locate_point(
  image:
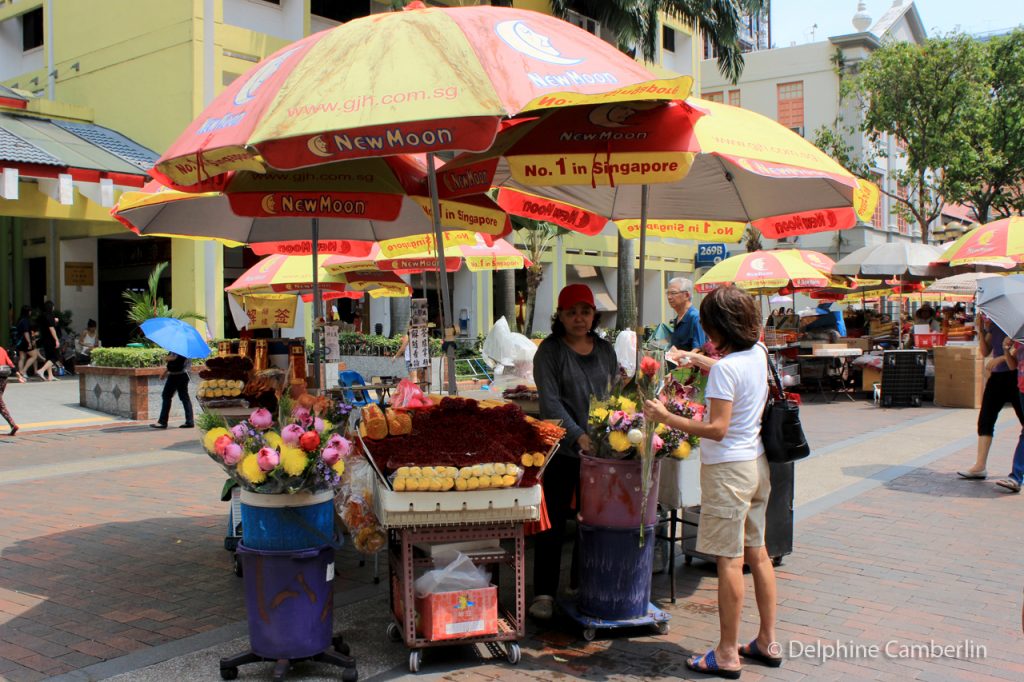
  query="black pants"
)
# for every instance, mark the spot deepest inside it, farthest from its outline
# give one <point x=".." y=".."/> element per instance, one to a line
<point x="1001" y="388"/>
<point x="176" y="383"/>
<point x="561" y="482"/>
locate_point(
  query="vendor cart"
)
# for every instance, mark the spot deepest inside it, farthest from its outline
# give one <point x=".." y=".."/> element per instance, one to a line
<point x="414" y="520"/>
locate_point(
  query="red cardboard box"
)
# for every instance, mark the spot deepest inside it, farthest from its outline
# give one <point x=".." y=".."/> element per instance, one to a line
<point x="453" y="615"/>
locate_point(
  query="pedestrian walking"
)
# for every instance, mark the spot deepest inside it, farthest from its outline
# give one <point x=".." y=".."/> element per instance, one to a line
<point x="735" y="479"/>
<point x="7" y="369"/>
<point x="175" y="376"/>
<point x="28" y="354"/>
<point x="49" y="342"/>
<point x="1000" y="389"/>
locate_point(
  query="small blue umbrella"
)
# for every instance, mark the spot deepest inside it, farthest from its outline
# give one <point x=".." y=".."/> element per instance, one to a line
<point x="176" y="336"/>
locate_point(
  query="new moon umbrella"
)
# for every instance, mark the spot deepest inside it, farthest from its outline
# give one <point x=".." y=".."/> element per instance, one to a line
<point x="419" y="81"/>
<point x="176" y="336"/>
<point x="1000" y="242"/>
<point x="293" y="274"/>
<point x="478" y="257"/>
<point x="1002" y="300"/>
<point x="767" y="271"/>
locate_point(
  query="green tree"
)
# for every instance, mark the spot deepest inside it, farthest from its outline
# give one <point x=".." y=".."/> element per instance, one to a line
<point x="927" y="98"/>
<point x="146" y="304"/>
<point x="537" y="237"/>
<point x="637" y="27"/>
<point x="991" y="181"/>
<point x="625" y="286"/>
<point x="504" y="283"/>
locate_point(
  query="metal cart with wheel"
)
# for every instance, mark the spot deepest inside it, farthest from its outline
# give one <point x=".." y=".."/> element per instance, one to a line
<point x="404" y="563"/>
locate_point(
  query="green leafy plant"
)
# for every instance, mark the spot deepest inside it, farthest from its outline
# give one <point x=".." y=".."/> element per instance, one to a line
<point x="147" y="304"/>
<point x="128" y="357"/>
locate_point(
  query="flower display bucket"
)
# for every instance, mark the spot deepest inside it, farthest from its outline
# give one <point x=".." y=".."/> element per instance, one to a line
<point x="615" y="571"/>
<point x="610" y="493"/>
<point x="287" y="522"/>
<point x="289" y="597"/>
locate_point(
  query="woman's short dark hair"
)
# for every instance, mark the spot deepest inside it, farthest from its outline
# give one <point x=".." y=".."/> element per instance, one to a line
<point x="558" y="329"/>
<point x="731" y="317"/>
<point x="91" y="323"/>
<point x="26" y="311"/>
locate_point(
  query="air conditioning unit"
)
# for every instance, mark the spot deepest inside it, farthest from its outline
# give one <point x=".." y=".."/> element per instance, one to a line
<point x="586" y="23"/>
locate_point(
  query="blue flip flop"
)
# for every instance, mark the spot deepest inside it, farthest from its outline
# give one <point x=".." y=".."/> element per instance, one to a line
<point x="710" y="666"/>
<point x="753" y="652"/>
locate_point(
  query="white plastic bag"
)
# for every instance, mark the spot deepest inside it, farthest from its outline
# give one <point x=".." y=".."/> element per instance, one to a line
<point x="625" y="351"/>
<point x="457" y="572"/>
<point x="509" y="354"/>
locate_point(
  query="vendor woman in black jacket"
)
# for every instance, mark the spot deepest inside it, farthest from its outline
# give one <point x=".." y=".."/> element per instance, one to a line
<point x="572" y="365"/>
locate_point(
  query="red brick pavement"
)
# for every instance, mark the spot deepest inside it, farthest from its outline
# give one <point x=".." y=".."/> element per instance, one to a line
<point x="106" y="562"/>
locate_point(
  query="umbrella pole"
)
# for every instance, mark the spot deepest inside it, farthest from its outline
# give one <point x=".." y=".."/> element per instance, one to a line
<point x="640" y="286"/>
<point x="446" y="304"/>
<point x="317" y="304"/>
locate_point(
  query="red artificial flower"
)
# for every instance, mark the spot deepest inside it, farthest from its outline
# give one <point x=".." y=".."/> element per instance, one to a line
<point x="309" y="441"/>
<point x="649" y="366"/>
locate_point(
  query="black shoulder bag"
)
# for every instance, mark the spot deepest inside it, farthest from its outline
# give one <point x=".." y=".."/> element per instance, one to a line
<point x="781" y="432"/>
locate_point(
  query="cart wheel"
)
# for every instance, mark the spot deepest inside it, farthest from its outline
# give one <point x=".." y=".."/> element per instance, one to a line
<point x="349" y="675"/>
<point x="589" y="634"/>
<point x="776" y="561"/>
<point x="228" y="673"/>
<point x="393" y="633"/>
<point x="415" y="656"/>
<point x="662" y="628"/>
<point x="339" y="645"/>
<point x="238" y="567"/>
<point x="513" y="653"/>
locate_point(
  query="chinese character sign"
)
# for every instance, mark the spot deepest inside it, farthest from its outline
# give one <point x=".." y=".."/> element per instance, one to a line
<point x="332" y="349"/>
<point x="269" y="312"/>
<point x="419" y="348"/>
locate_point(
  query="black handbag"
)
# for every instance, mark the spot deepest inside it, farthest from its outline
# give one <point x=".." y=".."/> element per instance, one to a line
<point x="781" y="432"/>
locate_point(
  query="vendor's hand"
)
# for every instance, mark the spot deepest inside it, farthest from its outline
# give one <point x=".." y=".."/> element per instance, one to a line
<point x="679" y="356"/>
<point x="655" y="411"/>
<point x="586" y="445"/>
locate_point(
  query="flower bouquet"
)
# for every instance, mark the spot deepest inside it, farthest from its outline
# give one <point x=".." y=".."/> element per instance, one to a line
<point x="683" y="395"/>
<point x="306" y="455"/>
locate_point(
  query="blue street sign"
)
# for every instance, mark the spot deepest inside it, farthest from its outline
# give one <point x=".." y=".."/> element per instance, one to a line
<point x="709" y="254"/>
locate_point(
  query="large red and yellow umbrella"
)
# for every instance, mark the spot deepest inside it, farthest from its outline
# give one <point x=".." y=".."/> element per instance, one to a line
<point x="1000" y="242"/>
<point x="478" y="257"/>
<point x="280" y="274"/>
<point x="768" y="271"/>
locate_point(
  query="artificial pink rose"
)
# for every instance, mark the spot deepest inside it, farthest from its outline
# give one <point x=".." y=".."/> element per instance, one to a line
<point x="309" y="441"/>
<point x="658" y="443"/>
<point x="318" y="425"/>
<point x="616" y="417"/>
<point x="221" y="444"/>
<point x="334" y="441"/>
<point x="239" y="432"/>
<point x="292" y="433"/>
<point x="261" y="419"/>
<point x="330" y="456"/>
<point x="268" y="458"/>
<point x="233" y="454"/>
<point x="300" y="414"/>
<point x="344" y="446"/>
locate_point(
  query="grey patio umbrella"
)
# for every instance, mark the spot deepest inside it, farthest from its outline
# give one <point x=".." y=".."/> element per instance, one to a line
<point x="963" y="284"/>
<point x="906" y="260"/>
<point x="1002" y="299"/>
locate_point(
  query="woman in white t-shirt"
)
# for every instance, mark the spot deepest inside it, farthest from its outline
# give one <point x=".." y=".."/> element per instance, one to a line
<point x="734" y="478"/>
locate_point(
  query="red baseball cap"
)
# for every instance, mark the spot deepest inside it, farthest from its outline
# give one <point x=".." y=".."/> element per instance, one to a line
<point x="573" y="294"/>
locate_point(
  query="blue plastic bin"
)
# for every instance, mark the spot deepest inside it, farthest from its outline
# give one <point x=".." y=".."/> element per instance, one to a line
<point x="287" y="522"/>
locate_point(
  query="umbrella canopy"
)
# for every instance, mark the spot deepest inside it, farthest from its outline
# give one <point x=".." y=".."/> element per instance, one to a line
<point x="1000" y="242"/>
<point x="765" y="271"/>
<point x="478" y="257"/>
<point x="294" y="274"/>
<point x="894" y="259"/>
<point x="964" y="284"/>
<point x="779" y="300"/>
<point x="421" y="80"/>
<point x="362" y="200"/>
<point x="176" y="336"/>
<point x="711" y="169"/>
<point x="1002" y="300"/>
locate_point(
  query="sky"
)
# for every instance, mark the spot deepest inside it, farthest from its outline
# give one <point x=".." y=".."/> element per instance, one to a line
<point x="793" y="20"/>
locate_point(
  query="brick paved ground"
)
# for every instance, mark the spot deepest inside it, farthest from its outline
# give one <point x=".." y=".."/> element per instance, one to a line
<point x="106" y="552"/>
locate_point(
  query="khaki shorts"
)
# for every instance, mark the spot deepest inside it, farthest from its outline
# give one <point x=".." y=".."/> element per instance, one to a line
<point x="733" y="502"/>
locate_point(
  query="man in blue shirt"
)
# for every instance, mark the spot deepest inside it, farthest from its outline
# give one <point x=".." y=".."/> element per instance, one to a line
<point x="687" y="333"/>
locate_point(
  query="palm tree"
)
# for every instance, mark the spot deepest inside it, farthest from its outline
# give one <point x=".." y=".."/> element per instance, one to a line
<point x="752" y="239"/>
<point x="536" y="236"/>
<point x="625" y="287"/>
<point x="399" y="309"/>
<point x="147" y="304"/>
<point x="636" y="24"/>
<point x="504" y="283"/>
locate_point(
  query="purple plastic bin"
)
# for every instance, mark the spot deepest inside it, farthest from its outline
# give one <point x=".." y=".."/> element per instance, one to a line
<point x="610" y="493"/>
<point x="615" y="572"/>
<point x="290" y="600"/>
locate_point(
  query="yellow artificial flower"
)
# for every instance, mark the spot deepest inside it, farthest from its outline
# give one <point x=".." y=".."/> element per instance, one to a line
<point x="627" y="405"/>
<point x="619" y="441"/>
<point x="250" y="469"/>
<point x="339" y="467"/>
<point x="294" y="460"/>
<point x="211" y="437"/>
<point x="660" y="429"/>
<point x="600" y="413"/>
<point x="273" y="439"/>
<point x="327" y="426"/>
<point x="682" y="450"/>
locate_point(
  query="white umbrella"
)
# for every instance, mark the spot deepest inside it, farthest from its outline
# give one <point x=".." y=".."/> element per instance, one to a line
<point x="1002" y="300"/>
<point x="964" y="284"/>
<point x="779" y="300"/>
<point x="892" y="259"/>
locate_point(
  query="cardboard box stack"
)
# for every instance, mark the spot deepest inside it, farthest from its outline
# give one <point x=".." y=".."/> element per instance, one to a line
<point x="959" y="377"/>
